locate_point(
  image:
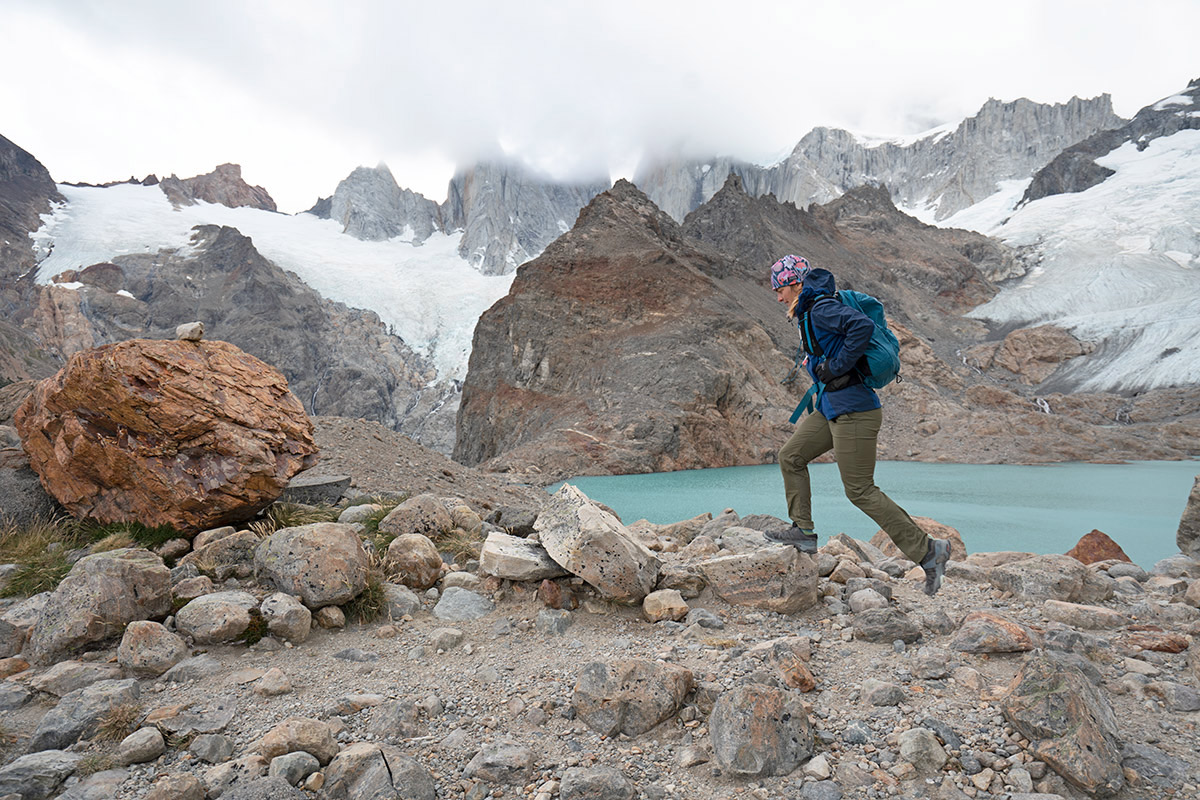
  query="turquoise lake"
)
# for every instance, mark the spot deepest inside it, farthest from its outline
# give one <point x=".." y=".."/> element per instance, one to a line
<point x="1037" y="509"/>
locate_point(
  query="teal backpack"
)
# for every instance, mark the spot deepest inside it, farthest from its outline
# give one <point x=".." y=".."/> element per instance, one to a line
<point x="879" y="365"/>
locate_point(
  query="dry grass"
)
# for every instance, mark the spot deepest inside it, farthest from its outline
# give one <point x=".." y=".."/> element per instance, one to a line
<point x="371" y="602"/>
<point x="40" y="551"/>
<point x="458" y="543"/>
<point x="291" y="515"/>
<point x="118" y="722"/>
<point x="114" y="541"/>
<point x="96" y="762"/>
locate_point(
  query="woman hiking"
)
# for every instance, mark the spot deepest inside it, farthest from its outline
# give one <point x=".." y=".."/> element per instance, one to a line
<point x="846" y="419"/>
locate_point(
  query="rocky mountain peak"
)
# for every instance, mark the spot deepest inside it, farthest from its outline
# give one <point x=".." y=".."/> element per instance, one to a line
<point x="370" y="205"/>
<point x="223" y="186"/>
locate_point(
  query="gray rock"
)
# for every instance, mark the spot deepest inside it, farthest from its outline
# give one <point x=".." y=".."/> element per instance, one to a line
<point x="554" y="622"/>
<point x="286" y="617"/>
<point x="517" y="559"/>
<point x="1176" y="696"/>
<point x="144" y="744"/>
<point x="367" y="771"/>
<point x="225" y="556"/>
<point x="931" y="663"/>
<point x="774" y="578"/>
<point x="866" y="599"/>
<point x="717" y="526"/>
<point x="1042" y="577"/>
<point x="369" y="205"/>
<point x="204" y="538"/>
<point x="37" y="776"/>
<point x="98" y="598"/>
<point x="1125" y="569"/>
<point x="704" y="618"/>
<point x="592" y="543"/>
<point x="360" y="512"/>
<point x="16" y="624"/>
<point x="401" y="601"/>
<point x="501" y="764"/>
<point x="212" y="747"/>
<point x="759" y="730"/>
<point x="193" y="669"/>
<point x="356" y="654"/>
<point x="882" y="693"/>
<point x="857" y="732"/>
<point x="920" y="747"/>
<point x="101" y="785"/>
<point x="885" y="625"/>
<point x="423" y="514"/>
<point x="1187" y="537"/>
<point x="944" y="732"/>
<point x="238" y="772"/>
<point x="1177" y="566"/>
<point x="595" y="783"/>
<point x="208" y="716"/>
<point x="629" y="697"/>
<point x="78" y="713"/>
<point x="323" y="563"/>
<point x="13" y="695"/>
<point x="148" y="649"/>
<point x="820" y="790"/>
<point x="315" y="490"/>
<point x="23" y="501"/>
<point x="461" y="605"/>
<point x="67" y="676"/>
<point x="1155" y="766"/>
<point x="293" y="767"/>
<point x="216" y="618"/>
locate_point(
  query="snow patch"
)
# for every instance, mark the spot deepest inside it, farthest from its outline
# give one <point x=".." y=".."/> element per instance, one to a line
<point x="431" y="295"/>
<point x="989" y="214"/>
<point x="1173" y="100"/>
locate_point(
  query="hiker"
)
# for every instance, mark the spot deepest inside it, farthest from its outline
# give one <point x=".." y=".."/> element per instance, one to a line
<point x="846" y="418"/>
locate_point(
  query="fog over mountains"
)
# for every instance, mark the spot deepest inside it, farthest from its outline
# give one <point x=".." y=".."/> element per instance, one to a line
<point x="1094" y="216"/>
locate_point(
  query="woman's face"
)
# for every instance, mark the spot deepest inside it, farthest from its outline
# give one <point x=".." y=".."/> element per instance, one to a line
<point x="788" y="294"/>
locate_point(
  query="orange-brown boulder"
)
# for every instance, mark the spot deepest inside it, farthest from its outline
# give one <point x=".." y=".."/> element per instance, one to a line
<point x="189" y="434"/>
<point x="1097" y="546"/>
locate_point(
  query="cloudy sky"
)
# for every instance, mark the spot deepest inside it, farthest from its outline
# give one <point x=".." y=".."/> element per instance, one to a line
<point x="299" y="92"/>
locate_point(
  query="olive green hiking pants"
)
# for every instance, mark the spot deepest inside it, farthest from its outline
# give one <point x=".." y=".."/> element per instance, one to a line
<point x="852" y="437"/>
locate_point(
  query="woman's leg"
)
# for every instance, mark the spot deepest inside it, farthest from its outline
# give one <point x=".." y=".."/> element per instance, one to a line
<point x="811" y="439"/>
<point x="854" y="439"/>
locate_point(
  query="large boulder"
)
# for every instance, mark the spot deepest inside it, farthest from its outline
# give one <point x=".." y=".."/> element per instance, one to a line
<point x="760" y="730"/>
<point x="517" y="559"/>
<point x="78" y="713"/>
<point x="188" y="434"/>
<point x="1069" y="723"/>
<point x="38" y="775"/>
<point x="147" y="649"/>
<point x="225" y="557"/>
<point x="1097" y="546"/>
<point x="1188" y="535"/>
<point x="217" y="617"/>
<point x="98" y="598"/>
<point x="592" y="543"/>
<point x="413" y="560"/>
<point x="323" y="563"/>
<point x="1040" y="578"/>
<point x="776" y="578"/>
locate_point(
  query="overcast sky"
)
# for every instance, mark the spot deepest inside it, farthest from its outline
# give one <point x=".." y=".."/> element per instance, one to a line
<point x="299" y="92"/>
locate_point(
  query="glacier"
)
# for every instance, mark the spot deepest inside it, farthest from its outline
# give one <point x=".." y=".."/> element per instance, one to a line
<point x="425" y="291"/>
<point x="1118" y="265"/>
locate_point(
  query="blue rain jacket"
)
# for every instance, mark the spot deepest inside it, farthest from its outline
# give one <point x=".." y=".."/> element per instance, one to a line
<point x="843" y="333"/>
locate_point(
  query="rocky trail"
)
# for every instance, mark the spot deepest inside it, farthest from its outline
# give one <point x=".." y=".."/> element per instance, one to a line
<point x="731" y="668"/>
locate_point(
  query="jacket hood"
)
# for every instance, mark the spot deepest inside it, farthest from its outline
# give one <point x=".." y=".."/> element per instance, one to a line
<point x="818" y="282"/>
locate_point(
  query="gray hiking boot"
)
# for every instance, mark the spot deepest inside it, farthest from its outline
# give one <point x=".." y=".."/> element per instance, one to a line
<point x="803" y="539"/>
<point x="934" y="565"/>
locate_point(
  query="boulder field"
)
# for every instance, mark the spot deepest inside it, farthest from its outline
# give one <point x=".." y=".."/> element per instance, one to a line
<point x="575" y="656"/>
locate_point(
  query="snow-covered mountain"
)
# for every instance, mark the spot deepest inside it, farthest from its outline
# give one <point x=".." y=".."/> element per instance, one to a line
<point x="1115" y="256"/>
<point x="931" y="175"/>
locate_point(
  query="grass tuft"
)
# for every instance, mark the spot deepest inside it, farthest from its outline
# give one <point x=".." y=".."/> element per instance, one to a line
<point x="290" y="515"/>
<point x="95" y="762"/>
<point x="40" y="551"/>
<point x="370" y="603"/>
<point x="458" y="543"/>
<point x="256" y="630"/>
<point x="118" y="722"/>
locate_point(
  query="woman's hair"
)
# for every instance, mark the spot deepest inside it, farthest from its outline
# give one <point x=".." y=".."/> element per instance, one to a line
<point x="794" y="305"/>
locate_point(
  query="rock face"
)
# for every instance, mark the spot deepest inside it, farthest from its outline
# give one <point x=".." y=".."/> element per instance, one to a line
<point x="96" y="600"/>
<point x="629" y="697"/>
<point x="508" y="214"/>
<point x="370" y="206"/>
<point x="1075" y="168"/>
<point x="943" y="172"/>
<point x="223" y="186"/>
<point x="1188" y="535"/>
<point x="189" y="434"/>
